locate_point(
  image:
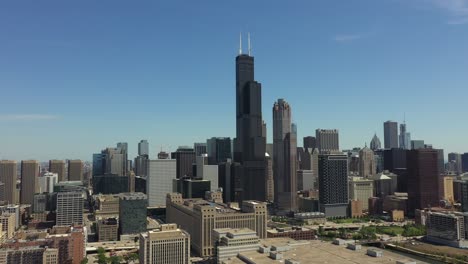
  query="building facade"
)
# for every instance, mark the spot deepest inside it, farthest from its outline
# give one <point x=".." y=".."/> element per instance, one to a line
<point x="75" y="170"/>
<point x="161" y="173"/>
<point x="390" y="135"/>
<point x="327" y="140"/>
<point x="367" y="165"/>
<point x="8" y="176"/>
<point x="58" y="166"/>
<point x="333" y="185"/>
<point x="132" y="213"/>
<point x="29" y="180"/>
<point x="69" y="208"/>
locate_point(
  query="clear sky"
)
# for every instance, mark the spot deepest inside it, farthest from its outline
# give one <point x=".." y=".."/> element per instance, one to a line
<point x="78" y="76"/>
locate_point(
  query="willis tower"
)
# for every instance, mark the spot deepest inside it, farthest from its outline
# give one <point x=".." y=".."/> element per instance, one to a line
<point x="250" y="141"/>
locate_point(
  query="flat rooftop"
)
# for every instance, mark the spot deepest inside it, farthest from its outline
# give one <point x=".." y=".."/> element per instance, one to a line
<point x="319" y="252"/>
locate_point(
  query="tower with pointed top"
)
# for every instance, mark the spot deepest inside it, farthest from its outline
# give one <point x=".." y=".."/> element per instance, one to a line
<point x="375" y="143"/>
<point x="250" y="142"/>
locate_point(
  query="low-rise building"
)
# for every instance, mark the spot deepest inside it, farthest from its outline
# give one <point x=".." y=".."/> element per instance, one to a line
<point x="28" y="255"/>
<point x="448" y="228"/>
<point x="108" y="229"/>
<point x="230" y="242"/>
<point x="107" y="205"/>
<point x="297" y="233"/>
<point x="355" y="208"/>
<point x="311" y="218"/>
<point x="8" y="224"/>
<point x="397" y="215"/>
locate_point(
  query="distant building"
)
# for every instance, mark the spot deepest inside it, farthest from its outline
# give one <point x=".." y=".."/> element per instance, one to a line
<point x="385" y="183"/>
<point x="75" y="170"/>
<point x="327" y="140"/>
<point x="168" y="244"/>
<point x="457" y="159"/>
<point x="141" y="165"/>
<point x="69" y="208"/>
<point x="309" y="142"/>
<point x="191" y="188"/>
<point x="229" y="175"/>
<point x="132" y="213"/>
<point x="206" y="171"/>
<point x="185" y="158"/>
<point x="464" y="195"/>
<point x="405" y="137"/>
<point x="110" y="184"/>
<point x="448" y="189"/>
<point x="161" y="174"/>
<point x="143" y="148"/>
<point x="218" y="150"/>
<point x="31" y="254"/>
<point x="333" y="185"/>
<point x="108" y="229"/>
<point x="29" y="180"/>
<point x="367" y="168"/>
<point x="395" y="159"/>
<point x="58" y="166"/>
<point x="361" y="189"/>
<point x="47" y="182"/>
<point x="390" y="135"/>
<point x="306" y="180"/>
<point x="8" y="176"/>
<point x="107" y="205"/>
<point x="7" y="224"/>
<point x="417" y="144"/>
<point x="355" y="208"/>
<point x="464" y="161"/>
<point x="447" y="228"/>
<point x="270" y="182"/>
<point x="375" y="143"/>
<point x="200" y="148"/>
<point x="200" y="215"/>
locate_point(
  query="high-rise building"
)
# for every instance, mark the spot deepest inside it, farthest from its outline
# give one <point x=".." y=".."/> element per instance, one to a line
<point x="464" y="195"/>
<point x="69" y="208"/>
<point x="206" y="171"/>
<point x="199" y="218"/>
<point x="417" y="144"/>
<point x="270" y="182"/>
<point x="8" y="176"/>
<point x="375" y="143"/>
<point x="306" y="180"/>
<point x="58" y="166"/>
<point x="7" y="224"/>
<point x="47" y="182"/>
<point x="309" y="161"/>
<point x="110" y="184"/>
<point x="367" y="168"/>
<point x="361" y="189"/>
<point x="395" y="159"/>
<point x="132" y="213"/>
<point x="284" y="157"/>
<point x="390" y="134"/>
<point x="405" y="137"/>
<point x="108" y="229"/>
<point x="440" y="160"/>
<point x="218" y="150"/>
<point x="141" y="165"/>
<point x="29" y="180"/>
<point x="200" y="148"/>
<point x="161" y="173"/>
<point x="143" y="147"/>
<point x="327" y="140"/>
<point x="457" y="157"/>
<point x="185" y="158"/>
<point x="309" y="142"/>
<point x="250" y="141"/>
<point x="423" y="179"/>
<point x="75" y="170"/>
<point x="111" y="161"/>
<point x="191" y="188"/>
<point x="333" y="185"/>
<point x="385" y="184"/>
<point x="230" y="180"/>
<point x="464" y="161"/>
<point x="168" y="244"/>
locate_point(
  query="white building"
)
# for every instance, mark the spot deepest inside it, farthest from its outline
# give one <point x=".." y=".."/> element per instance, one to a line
<point x="161" y="173"/>
<point x="231" y="242"/>
<point x="207" y="172"/>
<point x="361" y="189"/>
<point x="69" y="208"/>
<point x="47" y="182"/>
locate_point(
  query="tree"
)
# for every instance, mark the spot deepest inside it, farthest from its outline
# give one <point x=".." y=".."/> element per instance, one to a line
<point x="84" y="261"/>
<point x="115" y="260"/>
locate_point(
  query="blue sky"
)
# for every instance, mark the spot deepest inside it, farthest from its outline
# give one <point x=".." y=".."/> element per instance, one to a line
<point x="77" y="76"/>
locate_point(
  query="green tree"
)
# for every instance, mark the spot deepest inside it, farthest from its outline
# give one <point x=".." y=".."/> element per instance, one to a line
<point x="84" y="261"/>
<point x="115" y="260"/>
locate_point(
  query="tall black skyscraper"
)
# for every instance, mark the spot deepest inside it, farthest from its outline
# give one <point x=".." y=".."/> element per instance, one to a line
<point x="250" y="142"/>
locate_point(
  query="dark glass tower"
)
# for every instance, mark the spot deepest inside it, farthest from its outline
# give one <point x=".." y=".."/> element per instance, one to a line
<point x="250" y="143"/>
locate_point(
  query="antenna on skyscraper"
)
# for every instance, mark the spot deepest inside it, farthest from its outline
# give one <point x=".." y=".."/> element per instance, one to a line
<point x="250" y="47"/>
<point x="240" y="43"/>
<point x="404" y="117"/>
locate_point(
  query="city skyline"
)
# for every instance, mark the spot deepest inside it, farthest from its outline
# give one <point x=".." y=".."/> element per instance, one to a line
<point x="61" y="101"/>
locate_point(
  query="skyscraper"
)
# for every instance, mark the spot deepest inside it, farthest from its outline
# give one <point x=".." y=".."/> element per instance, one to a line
<point x="423" y="179"/>
<point x="218" y="149"/>
<point x="161" y="174"/>
<point x="333" y="185"/>
<point x="185" y="158"/>
<point x="417" y="144"/>
<point x="200" y="148"/>
<point x="132" y="213"/>
<point x="8" y="176"/>
<point x="143" y="147"/>
<point x="75" y="170"/>
<point x="464" y="161"/>
<point x="284" y="157"/>
<point x="390" y="134"/>
<point x="327" y="140"/>
<point x="367" y="168"/>
<point x="250" y="141"/>
<point x="309" y="142"/>
<point x="375" y="143"/>
<point x="458" y="161"/>
<point x="405" y="137"/>
<point x="29" y="180"/>
<point x="69" y="208"/>
<point x="58" y="166"/>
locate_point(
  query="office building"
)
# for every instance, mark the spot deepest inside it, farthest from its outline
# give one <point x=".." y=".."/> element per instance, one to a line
<point x="108" y="229"/>
<point x="8" y="176"/>
<point x="12" y="209"/>
<point x="191" y="188"/>
<point x="367" y="168"/>
<point x="327" y="140"/>
<point x="309" y="161"/>
<point x="7" y="223"/>
<point x="440" y="161"/>
<point x="417" y="144"/>
<point x="200" y="148"/>
<point x="185" y="158"/>
<point x="306" y="180"/>
<point x="47" y="182"/>
<point x="40" y="203"/>
<point x="111" y="161"/>
<point x="361" y="189"/>
<point x="447" y="228"/>
<point x="141" y="165"/>
<point x="2" y="193"/>
<point x="199" y="218"/>
<point x="110" y="184"/>
<point x="75" y="170"/>
<point x="375" y="143"/>
<point x="69" y="208"/>
<point x="58" y="166"/>
<point x="395" y="159"/>
<point x="231" y="242"/>
<point x="333" y="185"/>
<point x="447" y="193"/>
<point x="464" y="161"/>
<point x="143" y="148"/>
<point x="250" y="141"/>
<point x="132" y="213"/>
<point x="218" y="150"/>
<point x="270" y="182"/>
<point x="457" y="159"/>
<point x="309" y="142"/>
<point x="27" y="255"/>
<point x="390" y="135"/>
<point x="168" y="244"/>
<point x="423" y="179"/>
<point x="29" y="180"/>
<point x="284" y="157"/>
<point x="206" y="171"/>
<point x="230" y="180"/>
<point x="385" y="183"/>
<point x="405" y="137"/>
<point x="463" y="189"/>
<point x="161" y="173"/>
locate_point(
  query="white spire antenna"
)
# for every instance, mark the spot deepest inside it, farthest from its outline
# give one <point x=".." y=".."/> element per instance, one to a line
<point x="250" y="47"/>
<point x="240" y="43"/>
